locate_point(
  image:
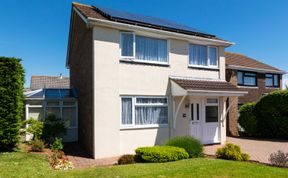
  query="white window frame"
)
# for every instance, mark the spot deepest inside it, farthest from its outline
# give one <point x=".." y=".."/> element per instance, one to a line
<point x="133" y="58"/>
<point x="212" y="104"/>
<point x="60" y="105"/>
<point x="209" y="66"/>
<point x="134" y="104"/>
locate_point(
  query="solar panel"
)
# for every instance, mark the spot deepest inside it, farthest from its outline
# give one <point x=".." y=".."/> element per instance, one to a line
<point x="116" y="14"/>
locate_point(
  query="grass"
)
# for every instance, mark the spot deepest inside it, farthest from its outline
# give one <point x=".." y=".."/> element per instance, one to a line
<point x="19" y="164"/>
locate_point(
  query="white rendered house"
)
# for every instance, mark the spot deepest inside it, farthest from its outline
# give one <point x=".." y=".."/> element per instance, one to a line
<point x="142" y="80"/>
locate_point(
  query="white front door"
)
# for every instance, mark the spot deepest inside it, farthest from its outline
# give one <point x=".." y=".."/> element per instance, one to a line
<point x="195" y="119"/>
<point x="204" y="123"/>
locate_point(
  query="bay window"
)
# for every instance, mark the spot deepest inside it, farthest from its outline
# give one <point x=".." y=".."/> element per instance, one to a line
<point x="144" y="111"/>
<point x="272" y="80"/>
<point x="143" y="49"/>
<point x="246" y="78"/>
<point x="203" y="56"/>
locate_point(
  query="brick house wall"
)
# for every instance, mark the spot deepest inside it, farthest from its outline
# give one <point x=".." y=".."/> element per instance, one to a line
<point x="80" y="60"/>
<point x="254" y="95"/>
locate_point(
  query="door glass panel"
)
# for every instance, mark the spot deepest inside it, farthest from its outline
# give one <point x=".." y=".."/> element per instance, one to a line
<point x="211" y="113"/>
<point x="197" y="112"/>
<point x="36" y="113"/>
<point x="192" y="112"/>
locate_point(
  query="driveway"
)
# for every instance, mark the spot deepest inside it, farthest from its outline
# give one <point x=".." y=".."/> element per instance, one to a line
<point x="258" y="149"/>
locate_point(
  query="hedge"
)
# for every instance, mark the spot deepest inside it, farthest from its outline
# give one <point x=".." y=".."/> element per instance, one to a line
<point x="11" y="101"/>
<point x="160" y="154"/>
<point x="247" y="119"/>
<point x="272" y="115"/>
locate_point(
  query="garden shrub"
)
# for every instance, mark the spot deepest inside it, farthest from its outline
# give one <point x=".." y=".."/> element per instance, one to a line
<point x="159" y="154"/>
<point x="247" y="119"/>
<point x="232" y="152"/>
<point x="57" y="144"/>
<point x="34" y="127"/>
<point x="37" y="145"/>
<point x="53" y="127"/>
<point x="126" y="159"/>
<point x="191" y="145"/>
<point x="279" y="159"/>
<point x="11" y="102"/>
<point x="272" y="115"/>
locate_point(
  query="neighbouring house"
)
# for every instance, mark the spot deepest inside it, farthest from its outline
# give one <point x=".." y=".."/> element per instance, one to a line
<point x="252" y="76"/>
<point x="52" y="95"/>
<point x="142" y="80"/>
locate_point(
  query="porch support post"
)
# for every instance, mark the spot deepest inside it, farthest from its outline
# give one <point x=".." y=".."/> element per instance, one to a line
<point x="226" y="113"/>
<point x="177" y="110"/>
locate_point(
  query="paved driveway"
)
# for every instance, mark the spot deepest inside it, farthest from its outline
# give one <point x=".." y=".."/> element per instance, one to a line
<point x="258" y="149"/>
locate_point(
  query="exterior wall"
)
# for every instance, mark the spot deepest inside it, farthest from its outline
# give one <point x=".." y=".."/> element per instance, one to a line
<point x="81" y="68"/>
<point x="254" y="95"/>
<point x="114" y="78"/>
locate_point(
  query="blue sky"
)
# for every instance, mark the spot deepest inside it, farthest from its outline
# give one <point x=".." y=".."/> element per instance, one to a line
<point x="37" y="31"/>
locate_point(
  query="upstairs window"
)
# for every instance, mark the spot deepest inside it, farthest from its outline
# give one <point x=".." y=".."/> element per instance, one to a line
<point x="272" y="80"/>
<point x="143" y="49"/>
<point x="246" y="78"/>
<point x="203" y="56"/>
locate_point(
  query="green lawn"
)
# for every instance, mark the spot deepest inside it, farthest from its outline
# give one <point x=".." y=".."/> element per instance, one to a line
<point x="32" y="165"/>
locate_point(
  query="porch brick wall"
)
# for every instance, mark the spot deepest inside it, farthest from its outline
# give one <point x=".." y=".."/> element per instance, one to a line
<point x="80" y="58"/>
<point x="254" y="95"/>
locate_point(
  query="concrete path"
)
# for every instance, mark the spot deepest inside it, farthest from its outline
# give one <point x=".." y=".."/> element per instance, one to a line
<point x="258" y="149"/>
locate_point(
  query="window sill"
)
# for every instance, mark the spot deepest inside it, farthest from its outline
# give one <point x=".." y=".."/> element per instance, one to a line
<point x="251" y="87"/>
<point x="275" y="88"/>
<point x="140" y="127"/>
<point x="133" y="61"/>
<point x="204" y="68"/>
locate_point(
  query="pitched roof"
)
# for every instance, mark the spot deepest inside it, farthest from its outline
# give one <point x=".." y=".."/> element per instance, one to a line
<point x="198" y="84"/>
<point x="235" y="60"/>
<point x="140" y="20"/>
<point x="38" y="82"/>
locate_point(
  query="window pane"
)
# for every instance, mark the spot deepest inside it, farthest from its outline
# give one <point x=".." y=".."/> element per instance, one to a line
<point x="69" y="113"/>
<point x="151" y="115"/>
<point x="240" y="78"/>
<point x="53" y="103"/>
<point x="269" y="82"/>
<point x="126" y="111"/>
<point x="151" y="100"/>
<point x="211" y="113"/>
<point x="276" y="82"/>
<point x="250" y="81"/>
<point x="36" y="113"/>
<point x="151" y="49"/>
<point x="198" y="55"/>
<point x="53" y="111"/>
<point x="52" y="93"/>
<point x="213" y="56"/>
<point x="127" y="44"/>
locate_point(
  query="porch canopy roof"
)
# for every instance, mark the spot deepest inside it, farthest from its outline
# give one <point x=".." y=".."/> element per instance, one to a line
<point x="183" y="86"/>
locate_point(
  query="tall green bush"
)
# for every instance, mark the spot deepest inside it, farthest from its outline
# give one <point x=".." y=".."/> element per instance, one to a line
<point x="11" y="101"/>
<point x="53" y="127"/>
<point x="272" y="115"/>
<point x="247" y="119"/>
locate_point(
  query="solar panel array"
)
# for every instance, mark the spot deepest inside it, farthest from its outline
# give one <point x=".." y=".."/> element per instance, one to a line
<point x="116" y="14"/>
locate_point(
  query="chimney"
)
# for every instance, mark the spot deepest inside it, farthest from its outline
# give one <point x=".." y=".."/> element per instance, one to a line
<point x="60" y="77"/>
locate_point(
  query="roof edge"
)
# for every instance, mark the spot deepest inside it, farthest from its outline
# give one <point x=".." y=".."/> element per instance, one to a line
<point x="255" y="69"/>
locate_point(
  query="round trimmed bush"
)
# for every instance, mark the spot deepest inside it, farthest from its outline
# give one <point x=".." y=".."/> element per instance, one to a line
<point x="160" y="154"/>
<point x="272" y="115"/>
<point x="191" y="145"/>
<point x="247" y="119"/>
